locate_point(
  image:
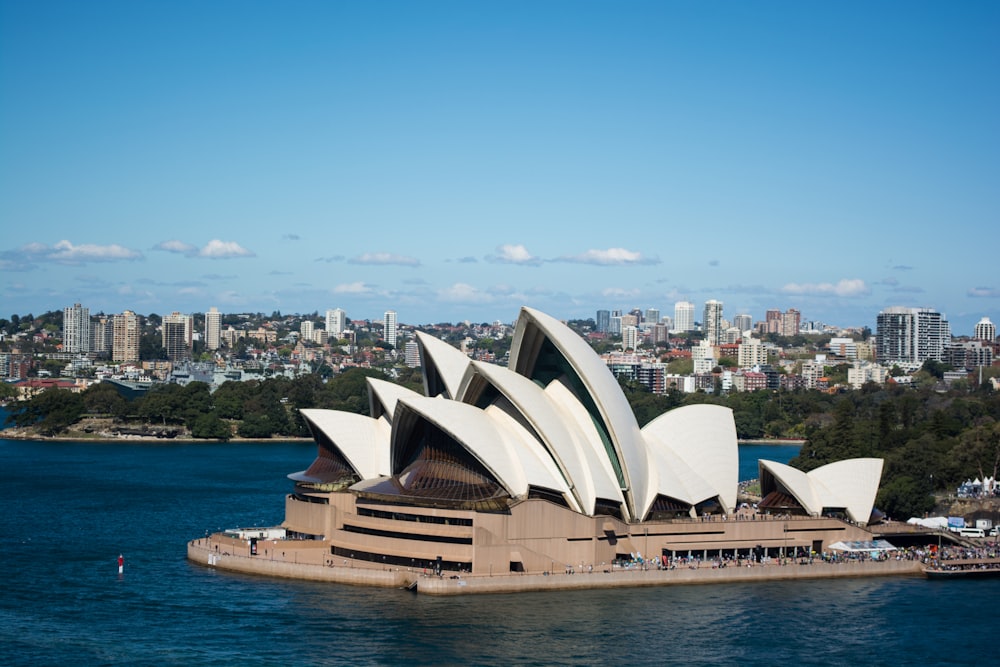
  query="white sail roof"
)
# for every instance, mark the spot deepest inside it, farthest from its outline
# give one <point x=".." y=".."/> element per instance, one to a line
<point x="361" y="440"/>
<point x="384" y="394"/>
<point x="449" y="361"/>
<point x="602" y="389"/>
<point x="562" y="436"/>
<point x="472" y="428"/>
<point x="850" y="484"/>
<point x="704" y="438"/>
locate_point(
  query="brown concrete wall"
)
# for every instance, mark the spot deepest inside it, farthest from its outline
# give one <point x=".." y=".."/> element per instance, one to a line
<point x="300" y="565"/>
<point x="681" y="576"/>
<point x="312" y="562"/>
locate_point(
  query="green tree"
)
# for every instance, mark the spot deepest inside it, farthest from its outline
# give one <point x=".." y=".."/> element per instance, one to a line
<point x="104" y="399"/>
<point x="50" y="412"/>
<point x="903" y="497"/>
<point x="209" y="426"/>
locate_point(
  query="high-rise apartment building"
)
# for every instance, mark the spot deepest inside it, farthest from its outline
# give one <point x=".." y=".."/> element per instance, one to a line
<point x="336" y="323"/>
<point x="791" y="319"/>
<point x="412" y="354"/>
<point x="127" y="329"/>
<point x="102" y="335"/>
<point x="603" y="321"/>
<point x="306" y="329"/>
<point x="213" y="329"/>
<point x="772" y="321"/>
<point x="178" y="336"/>
<point x="985" y="330"/>
<point x="630" y="337"/>
<point x="389" y="330"/>
<point x="743" y="322"/>
<point x="711" y="322"/>
<point x="911" y="335"/>
<point x="751" y="352"/>
<point x="683" y="316"/>
<point x="76" y="329"/>
<point x="651" y="317"/>
<point x="615" y="323"/>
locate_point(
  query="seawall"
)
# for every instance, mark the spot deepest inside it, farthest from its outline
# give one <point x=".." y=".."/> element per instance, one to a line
<point x="364" y="574"/>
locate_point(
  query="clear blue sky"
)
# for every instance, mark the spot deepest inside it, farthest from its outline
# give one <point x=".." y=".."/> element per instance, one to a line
<point x="455" y="160"/>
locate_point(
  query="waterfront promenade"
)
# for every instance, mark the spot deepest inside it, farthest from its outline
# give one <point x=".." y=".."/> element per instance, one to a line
<point x="311" y="561"/>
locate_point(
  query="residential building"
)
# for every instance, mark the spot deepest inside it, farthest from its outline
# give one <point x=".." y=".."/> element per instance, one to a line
<point x="683" y="316"/>
<point x="845" y="348"/>
<point x="389" y="327"/>
<point x="703" y="356"/>
<point x="336" y="322"/>
<point x="968" y="354"/>
<point x="178" y="336"/>
<point x="812" y="373"/>
<point x="630" y="337"/>
<point x="76" y="329"/>
<point x="985" y="330"/>
<point x="412" y="354"/>
<point x="743" y="322"/>
<point x="711" y="321"/>
<point x="790" y="321"/>
<point x="659" y="333"/>
<point x="127" y="329"/>
<point x="751" y="353"/>
<point x="772" y="321"/>
<point x="213" y="329"/>
<point x="615" y="323"/>
<point x="911" y="335"/>
<point x="603" y="321"/>
<point x="102" y="335"/>
<point x="306" y="330"/>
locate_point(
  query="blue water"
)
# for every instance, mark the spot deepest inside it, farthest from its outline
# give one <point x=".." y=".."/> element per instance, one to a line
<point x="71" y="508"/>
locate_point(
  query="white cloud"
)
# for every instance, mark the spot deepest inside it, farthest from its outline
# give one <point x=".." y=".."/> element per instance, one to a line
<point x="619" y="293"/>
<point x="514" y="254"/>
<point x="464" y="293"/>
<point x="216" y="249"/>
<point x="384" y="258"/>
<point x="987" y="292"/>
<point x="353" y="288"/>
<point x="610" y="257"/>
<point x="177" y="246"/>
<point x="65" y="252"/>
<point x="847" y="287"/>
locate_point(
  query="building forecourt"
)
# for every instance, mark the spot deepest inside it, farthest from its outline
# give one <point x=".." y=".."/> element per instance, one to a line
<point x="503" y="479"/>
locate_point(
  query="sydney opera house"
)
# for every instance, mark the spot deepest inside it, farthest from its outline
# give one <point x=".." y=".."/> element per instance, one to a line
<point x="541" y="465"/>
<point x="535" y="468"/>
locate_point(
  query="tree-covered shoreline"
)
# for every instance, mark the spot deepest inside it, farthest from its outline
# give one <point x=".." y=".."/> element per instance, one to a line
<point x="930" y="440"/>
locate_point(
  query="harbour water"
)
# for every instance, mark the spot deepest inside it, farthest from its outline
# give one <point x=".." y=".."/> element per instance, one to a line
<point x="71" y="508"/>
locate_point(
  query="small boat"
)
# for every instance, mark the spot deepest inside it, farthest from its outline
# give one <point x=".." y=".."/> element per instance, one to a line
<point x="964" y="568"/>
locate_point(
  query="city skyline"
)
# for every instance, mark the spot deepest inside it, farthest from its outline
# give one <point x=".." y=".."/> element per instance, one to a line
<point x="454" y="162"/>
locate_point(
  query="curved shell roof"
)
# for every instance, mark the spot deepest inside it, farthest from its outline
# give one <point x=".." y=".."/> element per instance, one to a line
<point x="505" y="455"/>
<point x="441" y="362"/>
<point x="577" y="454"/>
<point x="855" y="481"/>
<point x="383" y="395"/>
<point x="602" y="389"/>
<point x="361" y="440"/>
<point x="850" y="484"/>
<point x="704" y="438"/>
